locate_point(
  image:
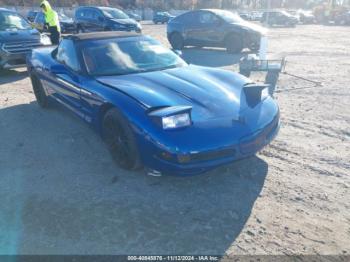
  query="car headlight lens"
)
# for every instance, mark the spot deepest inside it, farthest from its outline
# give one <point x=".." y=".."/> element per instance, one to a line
<point x="45" y="40"/>
<point x="176" y="121"/>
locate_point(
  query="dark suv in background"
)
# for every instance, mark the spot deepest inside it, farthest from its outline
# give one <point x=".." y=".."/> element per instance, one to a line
<point x="279" y="18"/>
<point x="93" y="19"/>
<point x="17" y="39"/>
<point x="214" y="28"/>
<point x="162" y="17"/>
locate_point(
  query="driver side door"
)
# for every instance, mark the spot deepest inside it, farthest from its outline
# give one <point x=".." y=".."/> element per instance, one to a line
<point x="65" y="84"/>
<point x="209" y="28"/>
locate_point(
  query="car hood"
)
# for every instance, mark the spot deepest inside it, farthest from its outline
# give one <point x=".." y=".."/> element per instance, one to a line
<point x="127" y="21"/>
<point x="19" y="35"/>
<point x="212" y="93"/>
<point x="252" y="27"/>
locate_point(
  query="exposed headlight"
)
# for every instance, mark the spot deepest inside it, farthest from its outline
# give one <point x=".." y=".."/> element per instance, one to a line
<point x="176" y="121"/>
<point x="45" y="40"/>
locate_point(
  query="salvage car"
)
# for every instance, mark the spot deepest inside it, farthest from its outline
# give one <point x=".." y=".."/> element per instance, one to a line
<point x="214" y="28"/>
<point x="94" y="19"/>
<point x="150" y="106"/>
<point x="162" y="17"/>
<point x="17" y="39"/>
<point x="279" y="18"/>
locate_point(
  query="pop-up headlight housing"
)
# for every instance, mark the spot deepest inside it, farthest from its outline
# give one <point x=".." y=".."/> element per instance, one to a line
<point x="255" y="93"/>
<point x="172" y="117"/>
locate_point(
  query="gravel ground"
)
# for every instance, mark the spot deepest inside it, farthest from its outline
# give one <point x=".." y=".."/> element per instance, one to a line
<point x="62" y="194"/>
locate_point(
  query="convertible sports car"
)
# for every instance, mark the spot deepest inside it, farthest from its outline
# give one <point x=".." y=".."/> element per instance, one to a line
<point x="151" y="108"/>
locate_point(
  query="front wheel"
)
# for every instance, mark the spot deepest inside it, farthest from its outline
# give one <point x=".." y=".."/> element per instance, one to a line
<point x="120" y="140"/>
<point x="39" y="92"/>
<point x="177" y="41"/>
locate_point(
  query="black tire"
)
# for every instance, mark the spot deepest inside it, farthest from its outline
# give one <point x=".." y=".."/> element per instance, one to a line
<point x="39" y="92"/>
<point x="120" y="140"/>
<point x="234" y="44"/>
<point x="177" y="41"/>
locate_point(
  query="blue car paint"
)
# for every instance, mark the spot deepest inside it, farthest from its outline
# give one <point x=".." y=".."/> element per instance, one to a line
<point x="221" y="117"/>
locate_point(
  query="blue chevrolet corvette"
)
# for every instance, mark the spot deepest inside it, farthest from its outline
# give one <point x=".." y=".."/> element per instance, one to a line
<point x="152" y="108"/>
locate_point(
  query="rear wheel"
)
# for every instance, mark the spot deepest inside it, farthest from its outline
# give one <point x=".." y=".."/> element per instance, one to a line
<point x="177" y="41"/>
<point x="120" y="139"/>
<point x="234" y="44"/>
<point x="39" y="92"/>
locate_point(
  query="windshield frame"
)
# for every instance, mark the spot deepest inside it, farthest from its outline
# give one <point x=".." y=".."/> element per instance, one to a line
<point x="83" y="44"/>
<point x="21" y="18"/>
<point x="237" y="19"/>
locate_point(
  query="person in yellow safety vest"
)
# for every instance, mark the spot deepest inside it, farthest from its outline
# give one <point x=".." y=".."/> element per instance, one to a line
<point x="51" y="19"/>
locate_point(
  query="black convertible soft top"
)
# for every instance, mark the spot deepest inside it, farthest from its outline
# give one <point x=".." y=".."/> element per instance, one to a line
<point x="100" y="35"/>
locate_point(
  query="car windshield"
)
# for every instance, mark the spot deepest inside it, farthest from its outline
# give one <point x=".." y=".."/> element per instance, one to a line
<point x="12" y="21"/>
<point x="229" y="16"/>
<point x="127" y="56"/>
<point x="114" y="13"/>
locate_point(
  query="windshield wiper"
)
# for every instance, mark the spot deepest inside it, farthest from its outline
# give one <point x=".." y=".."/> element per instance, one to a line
<point x="158" y="69"/>
<point x="138" y="71"/>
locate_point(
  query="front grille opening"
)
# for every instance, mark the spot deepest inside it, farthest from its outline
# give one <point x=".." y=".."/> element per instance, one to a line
<point x="212" y="155"/>
<point x="20" y="47"/>
<point x="17" y="62"/>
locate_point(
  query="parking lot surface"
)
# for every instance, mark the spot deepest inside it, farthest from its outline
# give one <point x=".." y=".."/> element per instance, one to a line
<point x="61" y="193"/>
